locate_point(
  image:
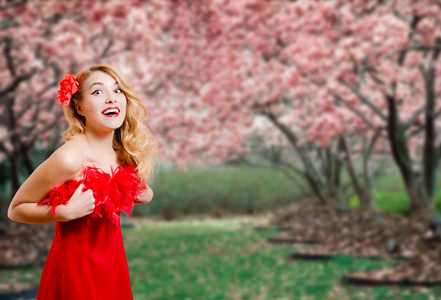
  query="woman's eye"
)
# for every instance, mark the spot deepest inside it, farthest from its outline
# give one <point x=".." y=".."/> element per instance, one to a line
<point x="118" y="91"/>
<point x="97" y="92"/>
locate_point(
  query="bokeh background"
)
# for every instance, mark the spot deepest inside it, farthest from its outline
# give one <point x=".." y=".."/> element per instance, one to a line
<point x="317" y="116"/>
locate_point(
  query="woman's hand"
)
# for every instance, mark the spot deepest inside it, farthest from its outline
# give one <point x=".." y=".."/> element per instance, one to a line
<point x="145" y="197"/>
<point x="79" y="205"/>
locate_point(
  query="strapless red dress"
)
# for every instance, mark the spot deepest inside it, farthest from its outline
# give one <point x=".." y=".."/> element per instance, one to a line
<point x="87" y="258"/>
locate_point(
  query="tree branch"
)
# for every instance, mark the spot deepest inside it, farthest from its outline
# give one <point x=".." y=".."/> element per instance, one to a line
<point x="338" y="98"/>
<point x="421" y="127"/>
<point x="374" y="139"/>
<point x="414" y="117"/>
<point x="12" y="4"/>
<point x="7" y="53"/>
<point x="422" y="48"/>
<point x="16" y="82"/>
<point x="366" y="101"/>
<point x="292" y="138"/>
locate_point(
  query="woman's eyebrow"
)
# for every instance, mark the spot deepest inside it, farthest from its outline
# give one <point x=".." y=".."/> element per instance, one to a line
<point x="100" y="83"/>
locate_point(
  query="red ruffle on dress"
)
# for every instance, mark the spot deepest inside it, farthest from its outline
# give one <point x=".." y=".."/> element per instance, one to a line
<point x="87" y="259"/>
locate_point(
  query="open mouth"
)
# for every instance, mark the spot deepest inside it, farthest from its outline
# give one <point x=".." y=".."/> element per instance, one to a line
<point x="111" y="112"/>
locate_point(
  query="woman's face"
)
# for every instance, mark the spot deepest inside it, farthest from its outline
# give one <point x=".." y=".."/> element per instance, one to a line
<point x="103" y="104"/>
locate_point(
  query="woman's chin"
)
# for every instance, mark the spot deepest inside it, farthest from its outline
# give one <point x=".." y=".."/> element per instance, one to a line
<point x="114" y="124"/>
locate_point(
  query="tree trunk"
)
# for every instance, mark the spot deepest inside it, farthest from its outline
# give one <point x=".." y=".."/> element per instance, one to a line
<point x="28" y="161"/>
<point x="3" y="209"/>
<point x="425" y="205"/>
<point x="364" y="193"/>
<point x="421" y="206"/>
<point x="15" y="182"/>
<point x="368" y="201"/>
<point x="367" y="198"/>
<point x="317" y="190"/>
<point x="334" y="178"/>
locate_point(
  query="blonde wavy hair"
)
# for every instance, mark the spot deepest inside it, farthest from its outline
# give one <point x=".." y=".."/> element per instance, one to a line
<point x="133" y="141"/>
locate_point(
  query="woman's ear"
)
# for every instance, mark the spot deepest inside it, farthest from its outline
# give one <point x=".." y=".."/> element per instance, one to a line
<point x="79" y="109"/>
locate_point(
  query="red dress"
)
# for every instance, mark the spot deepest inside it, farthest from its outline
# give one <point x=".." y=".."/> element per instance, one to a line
<point x="87" y="258"/>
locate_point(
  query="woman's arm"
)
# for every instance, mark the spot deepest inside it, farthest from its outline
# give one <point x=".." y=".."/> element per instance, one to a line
<point x="145" y="197"/>
<point x="64" y="164"/>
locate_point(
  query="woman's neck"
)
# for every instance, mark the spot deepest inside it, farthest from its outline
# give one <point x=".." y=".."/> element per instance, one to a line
<point x="100" y="143"/>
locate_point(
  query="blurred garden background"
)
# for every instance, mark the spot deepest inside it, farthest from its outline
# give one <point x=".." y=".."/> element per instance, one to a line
<point x="299" y="142"/>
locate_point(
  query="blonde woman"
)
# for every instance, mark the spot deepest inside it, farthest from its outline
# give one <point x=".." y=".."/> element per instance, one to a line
<point x="100" y="171"/>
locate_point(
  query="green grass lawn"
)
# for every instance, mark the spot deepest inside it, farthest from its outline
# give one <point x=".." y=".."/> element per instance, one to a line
<point x="395" y="202"/>
<point x="226" y="260"/>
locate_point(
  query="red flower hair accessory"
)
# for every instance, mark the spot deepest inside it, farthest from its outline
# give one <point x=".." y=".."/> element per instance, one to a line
<point x="68" y="87"/>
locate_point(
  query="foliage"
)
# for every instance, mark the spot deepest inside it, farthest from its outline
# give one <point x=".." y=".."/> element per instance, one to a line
<point x="218" y="191"/>
<point x="243" y="190"/>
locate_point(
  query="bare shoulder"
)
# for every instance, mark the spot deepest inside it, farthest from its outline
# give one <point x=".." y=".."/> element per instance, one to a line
<point x="68" y="157"/>
<point x="66" y="162"/>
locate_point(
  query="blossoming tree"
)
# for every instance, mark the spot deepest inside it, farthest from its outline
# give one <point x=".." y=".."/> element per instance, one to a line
<point x="327" y="75"/>
<point x="305" y="65"/>
<point x="230" y="52"/>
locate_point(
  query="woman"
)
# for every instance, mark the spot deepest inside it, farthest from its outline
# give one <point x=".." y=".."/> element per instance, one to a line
<point x="100" y="171"/>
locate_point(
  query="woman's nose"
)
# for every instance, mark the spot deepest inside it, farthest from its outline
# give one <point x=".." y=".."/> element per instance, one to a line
<point x="110" y="100"/>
